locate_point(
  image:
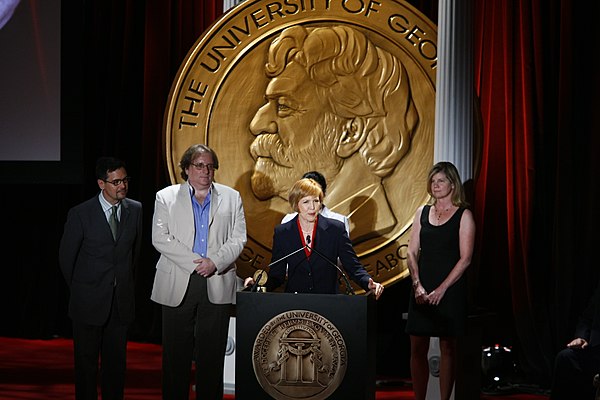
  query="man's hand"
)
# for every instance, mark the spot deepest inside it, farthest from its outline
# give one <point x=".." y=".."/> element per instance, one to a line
<point x="205" y="267"/>
<point x="578" y="343"/>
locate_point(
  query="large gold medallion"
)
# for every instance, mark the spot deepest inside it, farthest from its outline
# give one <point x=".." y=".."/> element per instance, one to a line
<point x="343" y="87"/>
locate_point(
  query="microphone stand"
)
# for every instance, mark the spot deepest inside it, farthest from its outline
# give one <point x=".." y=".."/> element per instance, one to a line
<point x="255" y="286"/>
<point x="349" y="289"/>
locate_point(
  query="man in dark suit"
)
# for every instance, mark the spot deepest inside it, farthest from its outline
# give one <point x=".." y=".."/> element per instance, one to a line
<point x="98" y="253"/>
<point x="576" y="365"/>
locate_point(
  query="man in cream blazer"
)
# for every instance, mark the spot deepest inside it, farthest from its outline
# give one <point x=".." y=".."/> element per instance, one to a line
<point x="199" y="229"/>
<point x="174" y="241"/>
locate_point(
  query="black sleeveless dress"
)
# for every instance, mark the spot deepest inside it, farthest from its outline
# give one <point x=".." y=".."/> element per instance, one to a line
<point x="439" y="253"/>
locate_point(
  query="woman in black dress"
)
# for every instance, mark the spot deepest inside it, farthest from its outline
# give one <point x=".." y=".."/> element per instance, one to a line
<point x="439" y="252"/>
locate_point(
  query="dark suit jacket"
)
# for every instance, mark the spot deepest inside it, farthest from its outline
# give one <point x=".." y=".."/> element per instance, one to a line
<point x="95" y="265"/>
<point x="314" y="274"/>
<point x="588" y="327"/>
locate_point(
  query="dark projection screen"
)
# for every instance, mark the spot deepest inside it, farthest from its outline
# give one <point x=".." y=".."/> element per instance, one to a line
<point x="35" y="145"/>
<point x="30" y="81"/>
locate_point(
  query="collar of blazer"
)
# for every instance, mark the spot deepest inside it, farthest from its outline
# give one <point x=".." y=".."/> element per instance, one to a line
<point x="215" y="198"/>
<point x="322" y="226"/>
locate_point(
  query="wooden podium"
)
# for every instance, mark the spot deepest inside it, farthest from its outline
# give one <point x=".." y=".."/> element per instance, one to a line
<point x="309" y="346"/>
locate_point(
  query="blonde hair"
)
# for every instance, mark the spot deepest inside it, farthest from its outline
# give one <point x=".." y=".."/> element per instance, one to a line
<point x="458" y="192"/>
<point x="302" y="188"/>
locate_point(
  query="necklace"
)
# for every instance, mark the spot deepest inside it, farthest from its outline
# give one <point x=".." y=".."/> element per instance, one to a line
<point x="307" y="233"/>
<point x="439" y="213"/>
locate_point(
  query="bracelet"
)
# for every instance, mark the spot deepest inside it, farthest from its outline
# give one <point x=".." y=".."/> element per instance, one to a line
<point x="415" y="283"/>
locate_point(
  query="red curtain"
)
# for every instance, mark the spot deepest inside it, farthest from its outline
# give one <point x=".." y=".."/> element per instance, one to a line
<point x="535" y="187"/>
<point x="506" y="67"/>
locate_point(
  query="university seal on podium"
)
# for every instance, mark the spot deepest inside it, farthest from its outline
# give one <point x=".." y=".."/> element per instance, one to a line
<point x="343" y="87"/>
<point x="299" y="354"/>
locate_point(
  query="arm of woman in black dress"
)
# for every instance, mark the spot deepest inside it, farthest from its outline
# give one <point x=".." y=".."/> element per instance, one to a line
<point x="413" y="258"/>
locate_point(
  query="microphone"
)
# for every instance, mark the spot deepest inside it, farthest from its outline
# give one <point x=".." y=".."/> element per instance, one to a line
<point x="259" y="276"/>
<point x="349" y="289"/>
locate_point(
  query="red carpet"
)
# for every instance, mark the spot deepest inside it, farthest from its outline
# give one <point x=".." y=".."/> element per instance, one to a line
<point x="43" y="369"/>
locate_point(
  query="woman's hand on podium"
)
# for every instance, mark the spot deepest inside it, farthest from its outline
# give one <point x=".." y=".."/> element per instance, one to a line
<point x="376" y="288"/>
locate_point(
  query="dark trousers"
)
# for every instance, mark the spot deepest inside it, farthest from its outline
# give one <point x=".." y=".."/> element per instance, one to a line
<point x="574" y="371"/>
<point x="107" y="343"/>
<point x="195" y="330"/>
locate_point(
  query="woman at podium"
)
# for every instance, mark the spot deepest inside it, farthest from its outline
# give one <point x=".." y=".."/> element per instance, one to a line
<point x="306" y="249"/>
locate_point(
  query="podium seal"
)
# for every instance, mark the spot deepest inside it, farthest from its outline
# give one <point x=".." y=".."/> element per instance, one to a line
<point x="299" y="354"/>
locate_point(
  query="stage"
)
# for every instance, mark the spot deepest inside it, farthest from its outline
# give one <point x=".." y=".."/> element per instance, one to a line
<point x="43" y="369"/>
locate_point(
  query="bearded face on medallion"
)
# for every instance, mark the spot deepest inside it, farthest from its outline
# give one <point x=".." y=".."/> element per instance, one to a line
<point x="339" y="105"/>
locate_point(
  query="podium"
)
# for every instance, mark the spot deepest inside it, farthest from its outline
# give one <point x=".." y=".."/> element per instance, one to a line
<point x="308" y="346"/>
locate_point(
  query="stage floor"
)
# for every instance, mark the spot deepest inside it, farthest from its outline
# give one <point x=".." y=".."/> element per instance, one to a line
<point x="43" y="369"/>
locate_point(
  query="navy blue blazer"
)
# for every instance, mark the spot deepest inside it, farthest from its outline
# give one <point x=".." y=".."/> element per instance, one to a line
<point x="95" y="265"/>
<point x="314" y="274"/>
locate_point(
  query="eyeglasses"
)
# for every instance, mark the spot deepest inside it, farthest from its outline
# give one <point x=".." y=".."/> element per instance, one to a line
<point x="201" y="166"/>
<point x="117" y="182"/>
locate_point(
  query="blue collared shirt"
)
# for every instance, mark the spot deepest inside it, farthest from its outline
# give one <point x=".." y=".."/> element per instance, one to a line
<point x="201" y="214"/>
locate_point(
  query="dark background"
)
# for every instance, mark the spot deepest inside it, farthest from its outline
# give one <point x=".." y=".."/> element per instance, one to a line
<point x="534" y="195"/>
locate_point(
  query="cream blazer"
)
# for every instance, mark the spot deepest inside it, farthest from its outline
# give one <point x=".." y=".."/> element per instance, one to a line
<point x="173" y="237"/>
